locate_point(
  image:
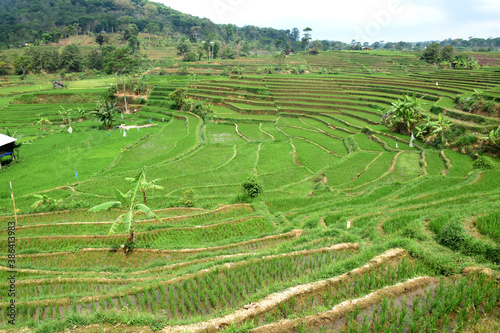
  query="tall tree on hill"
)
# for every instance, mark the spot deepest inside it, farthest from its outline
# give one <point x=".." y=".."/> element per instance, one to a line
<point x="295" y="34"/>
<point x="23" y="63"/>
<point x="3" y="65"/>
<point x="447" y="53"/>
<point x="38" y="56"/>
<point x="230" y="30"/>
<point x="152" y="29"/>
<point x="120" y="62"/>
<point x="99" y="38"/>
<point x="71" y="58"/>
<point x="431" y="54"/>
<point x="307" y="37"/>
<point x="46" y="38"/>
<point x="133" y="43"/>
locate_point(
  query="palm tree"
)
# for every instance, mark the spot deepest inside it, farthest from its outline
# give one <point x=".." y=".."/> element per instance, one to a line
<point x="127" y="202"/>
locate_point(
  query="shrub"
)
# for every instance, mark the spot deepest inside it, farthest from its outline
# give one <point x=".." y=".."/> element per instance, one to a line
<point x="252" y="187"/>
<point x="202" y="109"/>
<point x="242" y="198"/>
<point x="452" y="235"/>
<point x="466" y="140"/>
<point x="437" y="109"/>
<point x="484" y="162"/>
<point x="311" y="223"/>
<point x="188" y="198"/>
<point x="178" y="96"/>
<point x="190" y="57"/>
<point x="351" y="144"/>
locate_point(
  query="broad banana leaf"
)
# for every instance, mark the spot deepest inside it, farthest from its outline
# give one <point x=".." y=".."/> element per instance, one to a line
<point x="123" y="198"/>
<point x="116" y="225"/>
<point x="105" y="206"/>
<point x="145" y="209"/>
<point x="128" y="219"/>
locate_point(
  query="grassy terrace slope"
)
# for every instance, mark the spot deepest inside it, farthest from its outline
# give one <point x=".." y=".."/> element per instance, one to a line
<point x="422" y="250"/>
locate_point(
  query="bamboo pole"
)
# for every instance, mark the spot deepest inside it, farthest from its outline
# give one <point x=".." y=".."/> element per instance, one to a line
<point x="13" y="203"/>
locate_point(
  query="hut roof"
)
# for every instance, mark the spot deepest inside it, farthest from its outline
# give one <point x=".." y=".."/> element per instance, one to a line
<point x="5" y="140"/>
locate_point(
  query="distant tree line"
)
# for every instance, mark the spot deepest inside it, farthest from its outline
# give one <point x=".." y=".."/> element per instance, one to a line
<point x="70" y="59"/>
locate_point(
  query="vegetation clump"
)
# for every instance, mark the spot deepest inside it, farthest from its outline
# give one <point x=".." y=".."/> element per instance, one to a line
<point x="454" y="236"/>
<point x="105" y="112"/>
<point x="252" y="187"/>
<point x="188" y="198"/>
<point x="484" y="162"/>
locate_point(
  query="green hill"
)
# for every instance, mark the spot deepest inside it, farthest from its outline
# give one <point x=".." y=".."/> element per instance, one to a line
<point x="23" y="21"/>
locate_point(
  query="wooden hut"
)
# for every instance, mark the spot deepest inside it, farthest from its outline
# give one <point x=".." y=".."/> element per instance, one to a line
<point x="57" y="84"/>
<point x="7" y="145"/>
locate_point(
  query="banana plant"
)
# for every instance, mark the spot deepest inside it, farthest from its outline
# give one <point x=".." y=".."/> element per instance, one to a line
<point x="477" y="94"/>
<point x="440" y="126"/>
<point x="145" y="186"/>
<point x="407" y="112"/>
<point x="65" y="115"/>
<point x="44" y="200"/>
<point x="105" y="112"/>
<point x="126" y="201"/>
<point x="43" y="121"/>
<point x="493" y="138"/>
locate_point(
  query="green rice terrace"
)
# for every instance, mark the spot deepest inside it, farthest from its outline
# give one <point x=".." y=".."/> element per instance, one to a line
<point x="352" y="228"/>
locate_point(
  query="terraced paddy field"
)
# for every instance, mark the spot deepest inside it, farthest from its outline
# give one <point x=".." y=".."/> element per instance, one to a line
<point x="355" y="231"/>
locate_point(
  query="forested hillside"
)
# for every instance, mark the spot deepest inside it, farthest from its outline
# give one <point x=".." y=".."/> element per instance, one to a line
<point x="25" y="21"/>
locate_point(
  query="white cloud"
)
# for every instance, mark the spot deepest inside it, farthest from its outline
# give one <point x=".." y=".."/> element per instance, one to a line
<point x="343" y="20"/>
<point x="489" y="5"/>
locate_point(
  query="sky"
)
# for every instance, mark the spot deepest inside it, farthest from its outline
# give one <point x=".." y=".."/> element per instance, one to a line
<point x="362" y="20"/>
